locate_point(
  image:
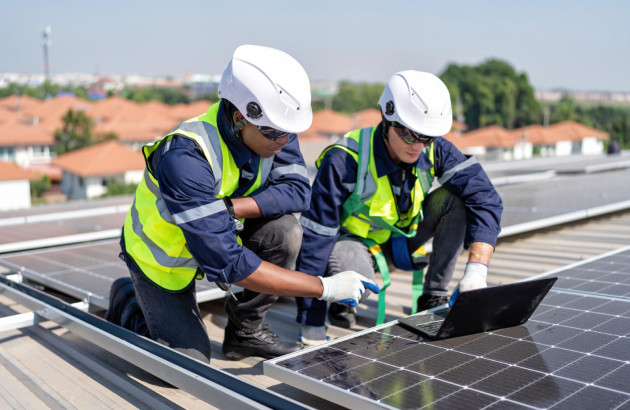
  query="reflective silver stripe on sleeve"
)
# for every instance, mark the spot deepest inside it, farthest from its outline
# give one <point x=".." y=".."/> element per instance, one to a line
<point x="318" y="228"/>
<point x="289" y="169"/>
<point x="396" y="190"/>
<point x="193" y="214"/>
<point x="159" y="202"/>
<point x="210" y="138"/>
<point x="449" y="174"/>
<point x="160" y="256"/>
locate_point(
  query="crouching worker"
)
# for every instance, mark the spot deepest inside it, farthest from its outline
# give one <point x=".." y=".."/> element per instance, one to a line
<point x="217" y="200"/>
<point x="372" y="203"/>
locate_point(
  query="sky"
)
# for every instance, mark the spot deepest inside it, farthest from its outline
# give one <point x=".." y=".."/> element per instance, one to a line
<point x="571" y="45"/>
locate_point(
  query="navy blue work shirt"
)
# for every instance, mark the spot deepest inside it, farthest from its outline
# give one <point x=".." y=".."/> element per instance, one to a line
<point x="186" y="181"/>
<point x="338" y="170"/>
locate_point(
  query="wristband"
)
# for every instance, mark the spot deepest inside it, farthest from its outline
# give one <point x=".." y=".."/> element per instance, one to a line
<point x="229" y="206"/>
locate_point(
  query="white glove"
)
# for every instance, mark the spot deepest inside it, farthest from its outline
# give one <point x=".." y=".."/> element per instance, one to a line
<point x="346" y="287"/>
<point x="474" y="277"/>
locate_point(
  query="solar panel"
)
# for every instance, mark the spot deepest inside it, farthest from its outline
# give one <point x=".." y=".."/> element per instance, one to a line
<point x="82" y="270"/>
<point x="562" y="195"/>
<point x="573" y="352"/>
<point x="607" y="275"/>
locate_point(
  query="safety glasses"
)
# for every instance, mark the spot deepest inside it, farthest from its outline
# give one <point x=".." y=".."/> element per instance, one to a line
<point x="408" y="136"/>
<point x="272" y="133"/>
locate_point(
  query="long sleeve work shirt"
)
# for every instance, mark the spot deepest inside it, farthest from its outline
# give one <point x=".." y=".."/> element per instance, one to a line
<point x="462" y="176"/>
<point x="186" y="182"/>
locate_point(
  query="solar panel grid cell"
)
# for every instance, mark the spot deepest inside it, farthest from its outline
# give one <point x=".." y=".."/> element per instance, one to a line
<point x="568" y="354"/>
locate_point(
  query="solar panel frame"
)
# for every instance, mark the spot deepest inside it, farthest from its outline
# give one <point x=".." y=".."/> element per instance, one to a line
<point x="573" y="350"/>
<point x="84" y="271"/>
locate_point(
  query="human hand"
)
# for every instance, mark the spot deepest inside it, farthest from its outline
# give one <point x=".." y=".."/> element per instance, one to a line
<point x="346" y="287"/>
<point x="474" y="278"/>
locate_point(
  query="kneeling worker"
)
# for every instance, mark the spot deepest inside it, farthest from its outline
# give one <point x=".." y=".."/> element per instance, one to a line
<point x="372" y="196"/>
<point x="216" y="200"/>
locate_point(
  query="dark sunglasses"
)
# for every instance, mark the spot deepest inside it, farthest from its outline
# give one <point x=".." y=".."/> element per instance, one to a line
<point x="408" y="136"/>
<point x="272" y="133"/>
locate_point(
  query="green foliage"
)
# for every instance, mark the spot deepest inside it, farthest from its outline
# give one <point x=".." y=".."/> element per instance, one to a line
<point x="167" y="95"/>
<point x="492" y="93"/>
<point x="119" y="188"/>
<point x="76" y="132"/>
<point x="46" y="90"/>
<point x="611" y="119"/>
<point x="40" y="186"/>
<point x="353" y="97"/>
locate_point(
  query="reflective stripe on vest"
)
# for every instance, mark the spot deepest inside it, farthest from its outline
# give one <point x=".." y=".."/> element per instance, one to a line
<point x="152" y="235"/>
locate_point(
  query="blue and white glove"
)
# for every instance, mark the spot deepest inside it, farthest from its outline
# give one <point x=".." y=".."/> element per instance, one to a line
<point x="346" y="287"/>
<point x="474" y="278"/>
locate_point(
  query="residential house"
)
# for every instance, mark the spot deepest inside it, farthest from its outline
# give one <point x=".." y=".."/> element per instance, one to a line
<point x="15" y="186"/>
<point x="87" y="172"/>
<point x="493" y="142"/>
<point x="564" y="138"/>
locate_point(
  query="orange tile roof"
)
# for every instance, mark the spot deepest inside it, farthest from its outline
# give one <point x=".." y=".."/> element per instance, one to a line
<point x="366" y="118"/>
<point x="12" y="172"/>
<point x="331" y="122"/>
<point x="23" y="102"/>
<point x="492" y="136"/>
<point x="574" y="131"/>
<point x="459" y="126"/>
<point x="113" y="107"/>
<point x="535" y="134"/>
<point x="13" y="133"/>
<point x="182" y="112"/>
<point x="107" y="158"/>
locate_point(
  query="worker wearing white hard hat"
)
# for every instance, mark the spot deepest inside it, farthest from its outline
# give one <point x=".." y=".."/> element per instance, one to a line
<point x="374" y="205"/>
<point x="217" y="201"/>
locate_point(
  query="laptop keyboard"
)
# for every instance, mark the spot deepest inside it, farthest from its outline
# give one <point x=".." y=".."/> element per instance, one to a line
<point x="430" y="327"/>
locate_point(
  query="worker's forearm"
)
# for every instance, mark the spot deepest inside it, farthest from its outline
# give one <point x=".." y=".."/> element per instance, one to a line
<point x="274" y="280"/>
<point x="480" y="252"/>
<point x="246" y="207"/>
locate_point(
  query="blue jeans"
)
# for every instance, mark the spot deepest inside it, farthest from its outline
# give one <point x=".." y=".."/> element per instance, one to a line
<point x="174" y="319"/>
<point x="444" y="221"/>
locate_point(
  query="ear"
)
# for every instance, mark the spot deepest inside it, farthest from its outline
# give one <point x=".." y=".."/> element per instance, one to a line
<point x="239" y="120"/>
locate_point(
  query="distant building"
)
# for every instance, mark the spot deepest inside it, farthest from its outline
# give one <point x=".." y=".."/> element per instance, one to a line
<point x="87" y="172"/>
<point x="15" y="186"/>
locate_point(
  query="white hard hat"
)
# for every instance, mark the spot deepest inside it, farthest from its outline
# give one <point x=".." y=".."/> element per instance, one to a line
<point x="420" y="101"/>
<point x="269" y="87"/>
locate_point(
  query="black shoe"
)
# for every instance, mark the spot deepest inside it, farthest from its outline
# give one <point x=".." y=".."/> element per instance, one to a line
<point x="119" y="294"/>
<point x="342" y="315"/>
<point x="426" y="301"/>
<point x="238" y="344"/>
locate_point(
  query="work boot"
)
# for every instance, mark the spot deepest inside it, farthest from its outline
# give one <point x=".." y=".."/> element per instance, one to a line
<point x="427" y="301"/>
<point x="342" y="315"/>
<point x="239" y="344"/>
<point x="120" y="293"/>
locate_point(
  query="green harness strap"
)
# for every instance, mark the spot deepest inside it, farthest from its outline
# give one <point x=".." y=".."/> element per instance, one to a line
<point x="381" y="263"/>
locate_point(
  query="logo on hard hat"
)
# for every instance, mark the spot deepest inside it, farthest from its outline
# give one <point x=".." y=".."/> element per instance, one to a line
<point x="389" y="108"/>
<point x="253" y="110"/>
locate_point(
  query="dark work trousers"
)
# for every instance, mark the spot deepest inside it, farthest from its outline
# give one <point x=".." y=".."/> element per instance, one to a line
<point x="444" y="220"/>
<point x="275" y="241"/>
<point x="174" y="319"/>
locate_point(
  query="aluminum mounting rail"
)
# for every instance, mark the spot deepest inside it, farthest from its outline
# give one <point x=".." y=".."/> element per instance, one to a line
<point x="203" y="381"/>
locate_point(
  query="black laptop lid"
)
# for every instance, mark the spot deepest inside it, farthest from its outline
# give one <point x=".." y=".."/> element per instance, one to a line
<point x="492" y="308"/>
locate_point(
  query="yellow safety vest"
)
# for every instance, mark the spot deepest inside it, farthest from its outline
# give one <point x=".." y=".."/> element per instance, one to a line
<point x="371" y="210"/>
<point x="152" y="235"/>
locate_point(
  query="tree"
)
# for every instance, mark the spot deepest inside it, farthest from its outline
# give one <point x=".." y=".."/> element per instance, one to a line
<point x="352" y="97"/>
<point x="492" y="93"/>
<point x="75" y="134"/>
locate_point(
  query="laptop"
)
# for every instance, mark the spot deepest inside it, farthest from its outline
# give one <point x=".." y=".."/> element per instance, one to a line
<point x="482" y="310"/>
